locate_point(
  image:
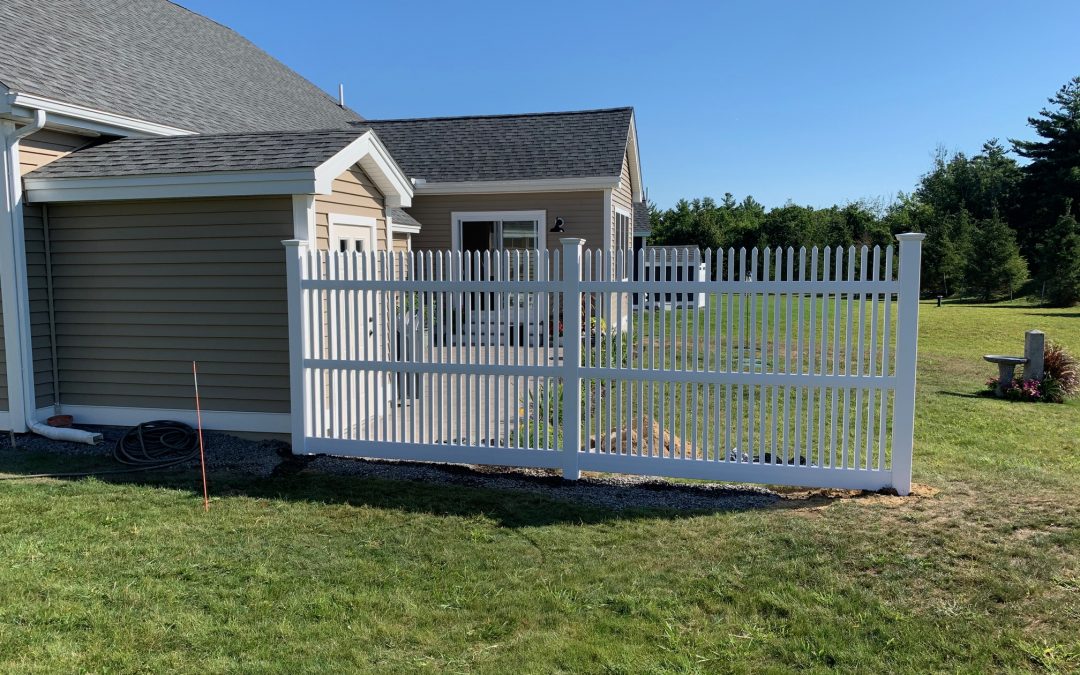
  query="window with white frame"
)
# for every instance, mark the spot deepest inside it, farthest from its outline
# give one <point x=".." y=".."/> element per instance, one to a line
<point x="352" y="233"/>
<point x="499" y="230"/>
<point x="622" y="230"/>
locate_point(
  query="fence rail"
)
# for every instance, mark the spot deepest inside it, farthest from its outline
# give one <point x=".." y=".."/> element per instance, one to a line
<point x="794" y="367"/>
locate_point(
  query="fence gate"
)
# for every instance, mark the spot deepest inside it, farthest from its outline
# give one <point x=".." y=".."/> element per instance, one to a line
<point x="790" y="367"/>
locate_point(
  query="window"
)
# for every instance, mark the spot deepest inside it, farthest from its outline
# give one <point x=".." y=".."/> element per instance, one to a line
<point x="352" y="233"/>
<point x="498" y="230"/>
<point x="622" y="230"/>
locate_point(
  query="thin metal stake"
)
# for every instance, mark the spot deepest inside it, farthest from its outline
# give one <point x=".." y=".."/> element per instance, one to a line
<point x="202" y="450"/>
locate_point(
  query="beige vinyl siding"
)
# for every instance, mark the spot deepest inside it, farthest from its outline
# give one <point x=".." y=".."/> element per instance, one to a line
<point x="623" y="197"/>
<point x="144" y="288"/>
<point x="33" y="224"/>
<point x="42" y="147"/>
<point x="401" y="242"/>
<point x="583" y="213"/>
<point x="355" y="195"/>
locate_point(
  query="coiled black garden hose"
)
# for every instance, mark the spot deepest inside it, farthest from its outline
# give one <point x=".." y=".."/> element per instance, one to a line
<point x="148" y="446"/>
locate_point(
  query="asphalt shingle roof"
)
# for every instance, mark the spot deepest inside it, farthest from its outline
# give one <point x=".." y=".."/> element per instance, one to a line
<point x="641" y="217"/>
<point x="155" y="61"/>
<point x="401" y="217"/>
<point x="587" y="143"/>
<point x="201" y="154"/>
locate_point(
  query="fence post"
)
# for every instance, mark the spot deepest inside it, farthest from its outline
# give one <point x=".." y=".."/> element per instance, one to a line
<point x="572" y="336"/>
<point x="907" y="343"/>
<point x="295" y="253"/>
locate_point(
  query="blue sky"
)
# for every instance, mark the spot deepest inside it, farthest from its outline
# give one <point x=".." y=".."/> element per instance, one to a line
<point x="817" y="102"/>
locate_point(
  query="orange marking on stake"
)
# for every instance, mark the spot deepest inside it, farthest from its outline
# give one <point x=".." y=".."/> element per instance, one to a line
<point x="202" y="450"/>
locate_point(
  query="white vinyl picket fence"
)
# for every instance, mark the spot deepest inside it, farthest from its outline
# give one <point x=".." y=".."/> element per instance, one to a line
<point x="797" y="368"/>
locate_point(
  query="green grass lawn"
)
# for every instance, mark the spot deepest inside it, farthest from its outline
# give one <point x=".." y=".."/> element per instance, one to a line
<point x="980" y="571"/>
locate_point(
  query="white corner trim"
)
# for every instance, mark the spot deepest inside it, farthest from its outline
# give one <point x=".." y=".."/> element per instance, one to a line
<point x="15" y="300"/>
<point x="500" y="186"/>
<point x="178" y="186"/>
<point x="608" y="224"/>
<point x="372" y="156"/>
<point x="220" y="420"/>
<point x="90" y="119"/>
<point x="303" y="209"/>
<point x="457" y="216"/>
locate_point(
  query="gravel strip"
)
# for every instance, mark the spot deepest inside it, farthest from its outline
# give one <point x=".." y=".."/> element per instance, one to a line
<point x="226" y="453"/>
<point x="609" y="491"/>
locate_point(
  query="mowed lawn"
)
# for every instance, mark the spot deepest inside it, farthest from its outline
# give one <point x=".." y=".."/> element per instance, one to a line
<point x="979" y="571"/>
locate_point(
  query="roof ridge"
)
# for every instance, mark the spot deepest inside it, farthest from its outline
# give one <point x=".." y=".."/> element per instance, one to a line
<point x="554" y="113"/>
<point x="357" y="130"/>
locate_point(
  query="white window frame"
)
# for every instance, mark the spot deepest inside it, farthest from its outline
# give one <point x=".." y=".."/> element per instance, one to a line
<point x="457" y="217"/>
<point x="337" y="220"/>
<point x="626" y="213"/>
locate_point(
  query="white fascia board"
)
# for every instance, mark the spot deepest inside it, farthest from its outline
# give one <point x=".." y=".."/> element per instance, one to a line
<point x="594" y="183"/>
<point x="404" y="229"/>
<point x="172" y="186"/>
<point x="78" y="117"/>
<point x="635" y="160"/>
<point x="369" y="152"/>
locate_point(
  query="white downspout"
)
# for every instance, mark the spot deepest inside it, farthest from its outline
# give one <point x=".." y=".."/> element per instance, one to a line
<point x="19" y="242"/>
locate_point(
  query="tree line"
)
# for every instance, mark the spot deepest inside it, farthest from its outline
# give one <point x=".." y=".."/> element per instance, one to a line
<point x="998" y="223"/>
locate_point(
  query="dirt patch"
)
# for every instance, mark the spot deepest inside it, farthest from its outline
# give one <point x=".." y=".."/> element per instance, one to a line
<point x="810" y="501"/>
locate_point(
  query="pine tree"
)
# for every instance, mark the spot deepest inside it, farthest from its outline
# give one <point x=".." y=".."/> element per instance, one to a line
<point x="1060" y="254"/>
<point x="1052" y="178"/>
<point x="994" y="264"/>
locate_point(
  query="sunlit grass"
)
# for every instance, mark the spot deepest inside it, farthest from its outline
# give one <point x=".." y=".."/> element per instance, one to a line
<point x="979" y="572"/>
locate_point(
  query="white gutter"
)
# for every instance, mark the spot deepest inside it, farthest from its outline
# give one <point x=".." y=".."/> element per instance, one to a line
<point x="14" y="188"/>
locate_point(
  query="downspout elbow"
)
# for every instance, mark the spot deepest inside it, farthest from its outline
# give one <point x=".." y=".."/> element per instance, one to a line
<point x="32" y="128"/>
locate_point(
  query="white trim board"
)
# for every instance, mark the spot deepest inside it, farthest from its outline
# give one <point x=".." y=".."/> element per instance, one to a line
<point x="16" y="304"/>
<point x="219" y="420"/>
<point x="83" y="118"/>
<point x="591" y="184"/>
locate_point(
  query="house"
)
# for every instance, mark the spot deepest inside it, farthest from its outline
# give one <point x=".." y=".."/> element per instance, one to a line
<point x="147" y="189"/>
<point x="473" y="175"/>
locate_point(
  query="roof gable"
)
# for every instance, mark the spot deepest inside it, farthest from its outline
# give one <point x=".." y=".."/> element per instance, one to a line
<point x="305" y="162"/>
<point x="580" y="144"/>
<point x="154" y="60"/>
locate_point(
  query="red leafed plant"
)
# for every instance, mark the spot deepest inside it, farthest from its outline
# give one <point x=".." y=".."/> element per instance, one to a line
<point x="1063" y="368"/>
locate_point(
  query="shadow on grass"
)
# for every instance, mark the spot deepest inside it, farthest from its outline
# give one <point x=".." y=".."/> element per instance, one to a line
<point x="1059" y="315"/>
<point x="509" y="498"/>
<point x="988" y="395"/>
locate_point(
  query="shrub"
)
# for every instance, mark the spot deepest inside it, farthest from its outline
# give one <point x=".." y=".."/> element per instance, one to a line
<point x="1063" y="368"/>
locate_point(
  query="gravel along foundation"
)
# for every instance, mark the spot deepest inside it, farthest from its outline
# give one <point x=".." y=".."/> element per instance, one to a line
<point x="262" y="459"/>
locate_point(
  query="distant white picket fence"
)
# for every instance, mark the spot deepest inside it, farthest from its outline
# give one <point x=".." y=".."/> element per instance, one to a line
<point x="798" y="368"/>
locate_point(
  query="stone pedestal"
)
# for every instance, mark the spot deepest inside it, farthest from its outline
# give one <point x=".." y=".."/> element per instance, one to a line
<point x="1034" y="343"/>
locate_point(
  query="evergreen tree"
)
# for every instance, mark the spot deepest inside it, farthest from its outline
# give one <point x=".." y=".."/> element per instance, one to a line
<point x="994" y="264"/>
<point x="1052" y="178"/>
<point x="1060" y="254"/>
